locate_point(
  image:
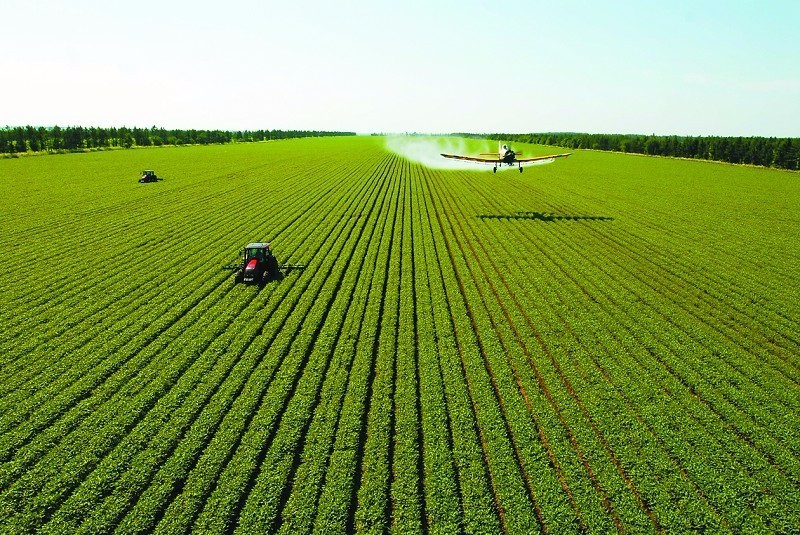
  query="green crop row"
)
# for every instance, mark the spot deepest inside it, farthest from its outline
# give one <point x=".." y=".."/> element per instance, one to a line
<point x="154" y="439"/>
<point x="607" y="343"/>
<point x="566" y="325"/>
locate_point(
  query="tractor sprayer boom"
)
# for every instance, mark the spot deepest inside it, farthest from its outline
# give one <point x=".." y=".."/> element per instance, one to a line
<point x="290" y="267"/>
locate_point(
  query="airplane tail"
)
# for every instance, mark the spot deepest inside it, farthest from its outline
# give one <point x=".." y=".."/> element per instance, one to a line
<point x="499" y="152"/>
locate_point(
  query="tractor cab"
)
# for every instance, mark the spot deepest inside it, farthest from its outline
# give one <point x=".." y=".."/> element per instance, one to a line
<point x="258" y="263"/>
<point x="257" y="250"/>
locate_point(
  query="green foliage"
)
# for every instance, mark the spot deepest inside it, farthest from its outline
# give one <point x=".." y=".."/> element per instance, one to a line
<point x="77" y="138"/>
<point x="783" y="153"/>
<point x="606" y="343"/>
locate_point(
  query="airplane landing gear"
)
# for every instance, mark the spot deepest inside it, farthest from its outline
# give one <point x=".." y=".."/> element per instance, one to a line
<point x="520" y="168"/>
<point x="494" y="169"/>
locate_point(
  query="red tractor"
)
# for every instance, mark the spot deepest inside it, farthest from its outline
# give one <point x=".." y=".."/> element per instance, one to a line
<point x="259" y="265"/>
<point x="148" y="175"/>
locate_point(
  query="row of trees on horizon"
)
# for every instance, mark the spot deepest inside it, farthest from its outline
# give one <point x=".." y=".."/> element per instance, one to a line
<point x="783" y="153"/>
<point x="21" y="139"/>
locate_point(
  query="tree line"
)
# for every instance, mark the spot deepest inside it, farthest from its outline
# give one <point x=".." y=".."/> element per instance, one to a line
<point x="783" y="153"/>
<point x="20" y="139"/>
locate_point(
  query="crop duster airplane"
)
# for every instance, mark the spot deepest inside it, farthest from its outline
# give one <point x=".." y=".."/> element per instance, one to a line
<point x="504" y="155"/>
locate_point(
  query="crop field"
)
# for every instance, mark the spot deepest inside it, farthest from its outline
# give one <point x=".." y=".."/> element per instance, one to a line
<point x="606" y="343"/>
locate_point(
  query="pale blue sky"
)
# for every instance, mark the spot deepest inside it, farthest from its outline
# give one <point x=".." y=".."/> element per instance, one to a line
<point x="697" y="67"/>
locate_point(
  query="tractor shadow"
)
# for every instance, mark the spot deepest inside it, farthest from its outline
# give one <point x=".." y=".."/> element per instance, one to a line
<point x="278" y="277"/>
<point x="266" y="280"/>
<point x="546" y="217"/>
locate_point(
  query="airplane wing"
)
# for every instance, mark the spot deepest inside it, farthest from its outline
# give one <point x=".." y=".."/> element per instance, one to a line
<point x="534" y="159"/>
<point x="494" y="160"/>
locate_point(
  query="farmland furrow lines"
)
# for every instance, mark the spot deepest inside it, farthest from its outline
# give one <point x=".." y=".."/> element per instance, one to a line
<point x="671" y="370"/>
<point x="338" y="496"/>
<point x="115" y="223"/>
<point x="411" y="324"/>
<point x="607" y="344"/>
<point x="56" y="385"/>
<point x="182" y="236"/>
<point x="727" y="248"/>
<point x="95" y="259"/>
<point x="257" y="451"/>
<point x="131" y="328"/>
<point x="509" y="351"/>
<point x="388" y="347"/>
<point x="565" y="325"/>
<point x="508" y="421"/>
<point x="314" y="471"/>
<point x="515" y="508"/>
<point x="756" y="436"/>
<point x="689" y="388"/>
<point x="209" y="477"/>
<point x="109" y="262"/>
<point x="45" y="227"/>
<point x="588" y="352"/>
<point x="478" y="497"/>
<point x="743" y="345"/>
<point x="407" y="499"/>
<point x="443" y="504"/>
<point x="115" y="297"/>
<point x="708" y="270"/>
<point x="474" y="420"/>
<point x="729" y="285"/>
<point x="767" y="322"/>
<point x="100" y="483"/>
<point x="186" y="452"/>
<point x="703" y="234"/>
<point x="81" y="457"/>
<point x="542" y="384"/>
<point x="98" y="486"/>
<point x="532" y="325"/>
<point x="82" y="391"/>
<point x="158" y="490"/>
<point x="266" y="498"/>
<point x="742" y="374"/>
<point x="712" y="304"/>
<point x="372" y="507"/>
<point x="168" y="487"/>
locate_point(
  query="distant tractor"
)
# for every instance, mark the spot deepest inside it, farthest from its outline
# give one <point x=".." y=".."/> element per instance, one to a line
<point x="259" y="265"/>
<point x="148" y="175"/>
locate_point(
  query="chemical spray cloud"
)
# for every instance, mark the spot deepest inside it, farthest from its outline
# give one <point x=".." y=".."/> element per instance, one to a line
<point x="428" y="150"/>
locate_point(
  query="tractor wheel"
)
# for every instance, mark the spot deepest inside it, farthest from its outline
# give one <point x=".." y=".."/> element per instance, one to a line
<point x="238" y="278"/>
<point x="272" y="268"/>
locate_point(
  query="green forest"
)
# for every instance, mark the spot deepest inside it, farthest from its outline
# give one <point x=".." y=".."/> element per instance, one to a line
<point x="21" y="139"/>
<point x="783" y="153"/>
